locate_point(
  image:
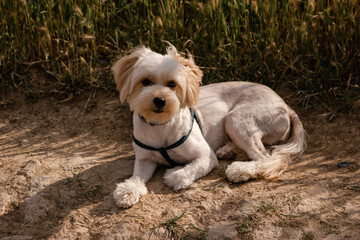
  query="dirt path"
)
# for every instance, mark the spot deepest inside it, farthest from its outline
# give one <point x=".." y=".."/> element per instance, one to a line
<point x="59" y="164"/>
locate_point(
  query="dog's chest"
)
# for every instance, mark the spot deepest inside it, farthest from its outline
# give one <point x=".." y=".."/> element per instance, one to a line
<point x="178" y="155"/>
<point x="181" y="143"/>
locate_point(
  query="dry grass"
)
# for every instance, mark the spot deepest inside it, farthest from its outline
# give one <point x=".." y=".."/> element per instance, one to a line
<point x="312" y="45"/>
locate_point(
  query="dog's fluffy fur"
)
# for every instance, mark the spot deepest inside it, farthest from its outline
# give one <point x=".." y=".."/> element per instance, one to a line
<point x="233" y="115"/>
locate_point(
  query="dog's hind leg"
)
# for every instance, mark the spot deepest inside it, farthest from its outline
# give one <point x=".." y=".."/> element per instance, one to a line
<point x="226" y="152"/>
<point x="230" y="151"/>
<point x="240" y="171"/>
<point x="242" y="129"/>
<point x="248" y="129"/>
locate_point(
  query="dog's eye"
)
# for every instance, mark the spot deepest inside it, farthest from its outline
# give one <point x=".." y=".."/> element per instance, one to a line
<point x="171" y="84"/>
<point x="146" y="82"/>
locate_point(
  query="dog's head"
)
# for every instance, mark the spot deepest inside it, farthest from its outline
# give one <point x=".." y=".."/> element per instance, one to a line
<point x="157" y="86"/>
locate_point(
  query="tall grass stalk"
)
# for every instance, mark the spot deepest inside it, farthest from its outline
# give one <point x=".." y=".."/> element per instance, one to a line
<point x="313" y="45"/>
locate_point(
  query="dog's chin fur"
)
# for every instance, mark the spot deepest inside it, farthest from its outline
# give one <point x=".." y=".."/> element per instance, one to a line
<point x="141" y="102"/>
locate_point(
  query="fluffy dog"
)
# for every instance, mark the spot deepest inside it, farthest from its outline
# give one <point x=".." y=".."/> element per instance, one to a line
<point x="161" y="89"/>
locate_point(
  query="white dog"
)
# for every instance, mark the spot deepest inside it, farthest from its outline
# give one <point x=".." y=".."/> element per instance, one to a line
<point x="162" y="89"/>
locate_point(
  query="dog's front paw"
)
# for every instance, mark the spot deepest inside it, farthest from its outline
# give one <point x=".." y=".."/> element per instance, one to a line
<point x="129" y="192"/>
<point x="177" y="178"/>
<point x="241" y="171"/>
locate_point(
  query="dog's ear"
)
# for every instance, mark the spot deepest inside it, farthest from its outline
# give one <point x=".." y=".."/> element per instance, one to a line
<point x="193" y="76"/>
<point x="192" y="73"/>
<point x="123" y="70"/>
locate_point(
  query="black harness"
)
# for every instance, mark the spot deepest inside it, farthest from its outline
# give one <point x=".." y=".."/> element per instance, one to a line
<point x="163" y="150"/>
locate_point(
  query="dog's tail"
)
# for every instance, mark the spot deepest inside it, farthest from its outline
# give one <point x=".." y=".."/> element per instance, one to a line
<point x="281" y="155"/>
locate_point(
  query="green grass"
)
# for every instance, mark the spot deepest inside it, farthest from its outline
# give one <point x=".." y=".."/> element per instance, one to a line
<point x="314" y="46"/>
<point x="174" y="228"/>
<point x="248" y="224"/>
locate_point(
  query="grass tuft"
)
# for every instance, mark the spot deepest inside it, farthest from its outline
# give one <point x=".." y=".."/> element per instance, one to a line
<point x="174" y="229"/>
<point x="248" y="224"/>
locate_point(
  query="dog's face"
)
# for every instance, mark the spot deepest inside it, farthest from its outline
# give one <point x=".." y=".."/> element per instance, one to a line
<point x="157" y="86"/>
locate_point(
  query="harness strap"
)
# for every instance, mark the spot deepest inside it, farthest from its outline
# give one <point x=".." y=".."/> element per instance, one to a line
<point x="165" y="155"/>
<point x="163" y="150"/>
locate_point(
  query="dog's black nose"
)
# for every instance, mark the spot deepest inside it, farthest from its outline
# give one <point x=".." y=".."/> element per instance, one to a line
<point x="159" y="102"/>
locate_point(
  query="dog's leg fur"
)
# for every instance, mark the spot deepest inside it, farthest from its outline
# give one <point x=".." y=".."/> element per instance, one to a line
<point x="182" y="177"/>
<point x="129" y="192"/>
<point x="231" y="152"/>
<point x="247" y="135"/>
<point x="226" y="152"/>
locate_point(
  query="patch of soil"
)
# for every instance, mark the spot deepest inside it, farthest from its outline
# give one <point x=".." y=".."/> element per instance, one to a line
<point x="60" y="162"/>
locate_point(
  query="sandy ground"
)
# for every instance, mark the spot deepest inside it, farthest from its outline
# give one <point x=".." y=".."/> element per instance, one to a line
<point x="60" y="161"/>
